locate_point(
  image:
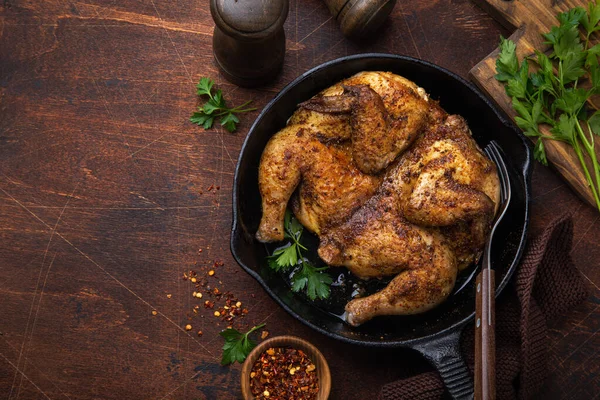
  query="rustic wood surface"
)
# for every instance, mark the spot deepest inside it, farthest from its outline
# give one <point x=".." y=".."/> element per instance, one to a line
<point x="527" y="19"/>
<point x="104" y="199"/>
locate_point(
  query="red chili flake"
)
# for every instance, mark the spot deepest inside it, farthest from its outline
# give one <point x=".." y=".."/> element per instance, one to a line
<point x="209" y="304"/>
<point x="284" y="373"/>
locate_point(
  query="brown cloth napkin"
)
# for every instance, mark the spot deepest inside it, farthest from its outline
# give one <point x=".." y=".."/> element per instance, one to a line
<point x="546" y="285"/>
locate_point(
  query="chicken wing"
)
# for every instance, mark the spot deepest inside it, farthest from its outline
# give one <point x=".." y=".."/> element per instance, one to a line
<point x="387" y="113"/>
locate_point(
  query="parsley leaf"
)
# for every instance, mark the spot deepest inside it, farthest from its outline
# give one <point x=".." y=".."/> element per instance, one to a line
<point x="572" y="100"/>
<point x="592" y="55"/>
<point x="216" y="107"/>
<point x="564" y="130"/>
<point x="572" y="66"/>
<point x="517" y="86"/>
<point x="594" y="123"/>
<point x="571" y="17"/>
<point x="204" y="87"/>
<point x="507" y="63"/>
<point x="569" y="42"/>
<point x="590" y="19"/>
<point x="202" y="119"/>
<point x="284" y="257"/>
<point x="237" y="345"/>
<point x="313" y="279"/>
<point x="229" y="122"/>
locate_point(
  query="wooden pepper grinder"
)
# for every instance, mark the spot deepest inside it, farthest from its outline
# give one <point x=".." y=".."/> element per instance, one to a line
<point x="360" y="18"/>
<point x="248" y="41"/>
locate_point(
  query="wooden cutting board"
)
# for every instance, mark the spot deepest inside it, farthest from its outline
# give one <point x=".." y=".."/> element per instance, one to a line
<point x="530" y="18"/>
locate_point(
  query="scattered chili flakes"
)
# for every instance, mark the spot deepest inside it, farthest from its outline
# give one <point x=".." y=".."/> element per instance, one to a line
<point x="284" y="373"/>
<point x="264" y="334"/>
<point x="154" y="312"/>
<point x="169" y="296"/>
<point x="225" y="304"/>
<point x="188" y="327"/>
<point x="200" y="333"/>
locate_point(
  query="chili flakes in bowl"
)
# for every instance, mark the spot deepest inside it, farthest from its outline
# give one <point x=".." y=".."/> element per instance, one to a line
<point x="282" y="373"/>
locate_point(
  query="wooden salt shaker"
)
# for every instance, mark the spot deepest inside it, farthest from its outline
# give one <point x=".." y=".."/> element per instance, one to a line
<point x="360" y="18"/>
<point x="249" y="41"/>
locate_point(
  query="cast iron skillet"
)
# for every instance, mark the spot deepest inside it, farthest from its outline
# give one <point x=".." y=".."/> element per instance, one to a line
<point x="434" y="334"/>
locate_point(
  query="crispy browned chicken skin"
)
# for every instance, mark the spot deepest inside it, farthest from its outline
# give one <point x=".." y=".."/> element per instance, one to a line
<point x="392" y="185"/>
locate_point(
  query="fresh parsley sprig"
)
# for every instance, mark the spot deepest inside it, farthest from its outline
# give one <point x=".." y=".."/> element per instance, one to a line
<point x="216" y="107"/>
<point x="237" y="345"/>
<point x="554" y="95"/>
<point x="314" y="281"/>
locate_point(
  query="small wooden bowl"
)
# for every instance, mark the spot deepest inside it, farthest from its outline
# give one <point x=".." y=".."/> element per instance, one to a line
<point x="295" y="343"/>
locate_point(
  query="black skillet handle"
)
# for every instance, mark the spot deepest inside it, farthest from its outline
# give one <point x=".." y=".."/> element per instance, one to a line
<point x="444" y="354"/>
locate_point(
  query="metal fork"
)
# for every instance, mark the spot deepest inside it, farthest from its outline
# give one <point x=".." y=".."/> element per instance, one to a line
<point x="485" y="340"/>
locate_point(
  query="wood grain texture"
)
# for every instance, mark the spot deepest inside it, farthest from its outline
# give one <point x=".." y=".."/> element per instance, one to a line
<point x="528" y="19"/>
<point x="104" y="199"/>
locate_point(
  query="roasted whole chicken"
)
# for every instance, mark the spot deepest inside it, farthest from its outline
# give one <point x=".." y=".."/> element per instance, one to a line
<point x="392" y="185"/>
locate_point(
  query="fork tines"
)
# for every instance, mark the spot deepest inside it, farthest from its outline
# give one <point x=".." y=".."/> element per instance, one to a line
<point x="492" y="150"/>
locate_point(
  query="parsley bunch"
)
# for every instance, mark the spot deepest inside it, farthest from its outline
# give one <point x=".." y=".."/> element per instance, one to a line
<point x="237" y="345"/>
<point x="215" y="107"/>
<point x="557" y="93"/>
<point x="306" y="276"/>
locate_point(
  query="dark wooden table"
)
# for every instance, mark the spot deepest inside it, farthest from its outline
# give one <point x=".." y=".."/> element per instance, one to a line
<point x="104" y="199"/>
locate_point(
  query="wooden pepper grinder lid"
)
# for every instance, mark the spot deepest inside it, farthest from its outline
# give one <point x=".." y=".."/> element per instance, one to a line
<point x="249" y="41"/>
<point x="360" y="18"/>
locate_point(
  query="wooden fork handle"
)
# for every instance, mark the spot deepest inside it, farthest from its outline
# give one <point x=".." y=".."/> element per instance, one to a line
<point x="485" y="338"/>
